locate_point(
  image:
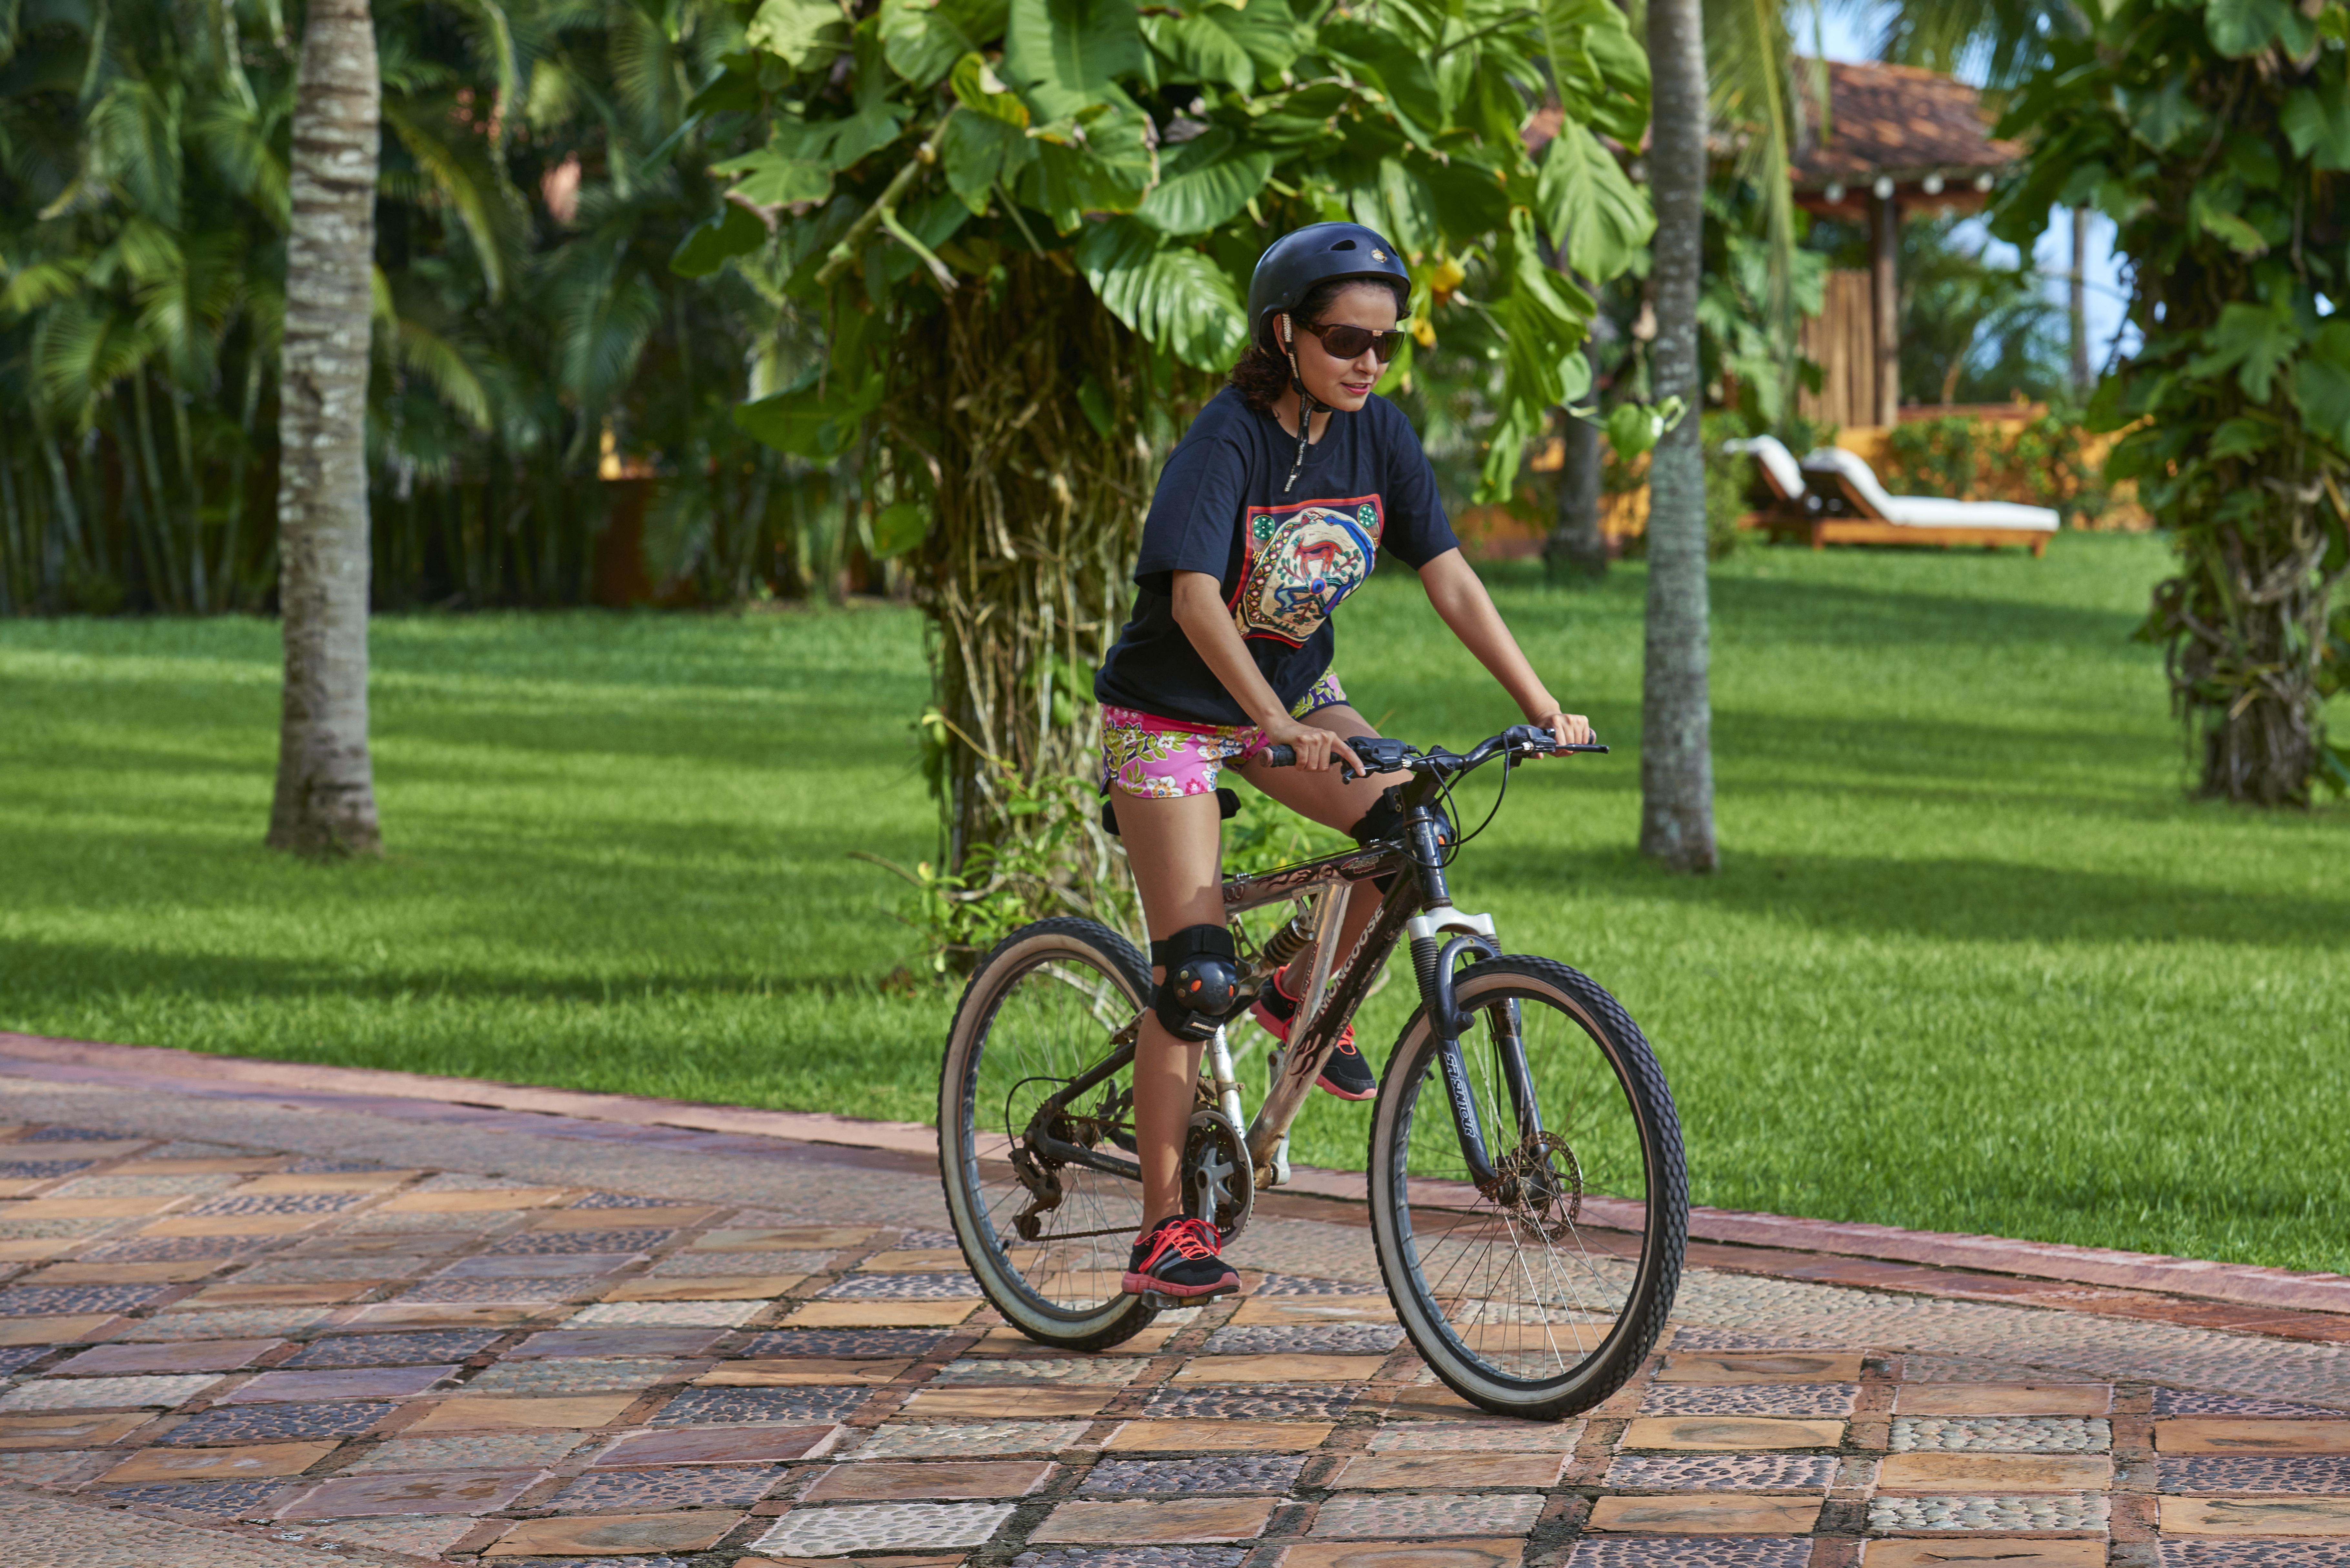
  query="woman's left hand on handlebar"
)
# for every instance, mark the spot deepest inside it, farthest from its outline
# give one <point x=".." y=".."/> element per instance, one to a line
<point x="1568" y="728"/>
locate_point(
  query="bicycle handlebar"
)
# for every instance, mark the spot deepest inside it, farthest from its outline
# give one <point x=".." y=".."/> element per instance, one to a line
<point x="1392" y="756"/>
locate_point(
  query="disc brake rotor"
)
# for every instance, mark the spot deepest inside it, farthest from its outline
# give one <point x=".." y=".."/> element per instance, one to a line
<point x="1539" y="1185"/>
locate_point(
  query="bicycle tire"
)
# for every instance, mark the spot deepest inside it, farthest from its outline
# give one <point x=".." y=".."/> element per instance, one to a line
<point x="1015" y="1273"/>
<point x="1497" y="1373"/>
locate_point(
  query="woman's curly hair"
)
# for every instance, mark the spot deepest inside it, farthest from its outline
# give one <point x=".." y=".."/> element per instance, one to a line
<point x="1263" y="374"/>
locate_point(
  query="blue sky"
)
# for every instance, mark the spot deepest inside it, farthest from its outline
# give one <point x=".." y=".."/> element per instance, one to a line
<point x="1847" y="33"/>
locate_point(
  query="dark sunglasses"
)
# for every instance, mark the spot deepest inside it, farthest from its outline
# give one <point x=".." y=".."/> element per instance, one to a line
<point x="1348" y="342"/>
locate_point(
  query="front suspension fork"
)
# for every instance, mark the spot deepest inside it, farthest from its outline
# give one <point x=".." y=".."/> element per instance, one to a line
<point x="1432" y="962"/>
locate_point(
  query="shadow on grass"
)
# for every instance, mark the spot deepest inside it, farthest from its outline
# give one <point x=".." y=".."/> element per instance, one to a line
<point x="1961" y="899"/>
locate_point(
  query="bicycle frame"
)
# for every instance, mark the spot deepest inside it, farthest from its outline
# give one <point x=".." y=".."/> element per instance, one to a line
<point x="1418" y="908"/>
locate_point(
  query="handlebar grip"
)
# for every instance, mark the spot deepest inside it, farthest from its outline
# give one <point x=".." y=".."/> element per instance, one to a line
<point x="1280" y="756"/>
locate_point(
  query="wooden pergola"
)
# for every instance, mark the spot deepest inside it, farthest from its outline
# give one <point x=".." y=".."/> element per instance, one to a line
<point x="1900" y="141"/>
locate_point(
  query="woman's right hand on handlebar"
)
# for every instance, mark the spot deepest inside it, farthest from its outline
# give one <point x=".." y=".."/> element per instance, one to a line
<point x="1317" y="750"/>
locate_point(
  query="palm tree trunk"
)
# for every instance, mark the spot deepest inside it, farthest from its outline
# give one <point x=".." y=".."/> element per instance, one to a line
<point x="326" y="780"/>
<point x="1675" y="748"/>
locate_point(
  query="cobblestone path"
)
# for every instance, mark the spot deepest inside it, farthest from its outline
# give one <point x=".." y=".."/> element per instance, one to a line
<point x="240" y="1331"/>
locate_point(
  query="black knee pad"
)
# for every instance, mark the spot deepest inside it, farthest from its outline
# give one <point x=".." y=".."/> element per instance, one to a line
<point x="1203" y="987"/>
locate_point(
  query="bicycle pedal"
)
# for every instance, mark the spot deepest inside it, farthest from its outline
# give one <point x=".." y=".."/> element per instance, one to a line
<point x="1158" y="1301"/>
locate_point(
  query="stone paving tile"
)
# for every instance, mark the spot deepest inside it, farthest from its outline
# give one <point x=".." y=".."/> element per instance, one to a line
<point x="666" y="1315"/>
<point x="231" y="1203"/>
<point x="699" y="1486"/>
<point x="687" y="1265"/>
<point x="341" y="1383"/>
<point x="218" y="1500"/>
<point x="940" y="1439"/>
<point x="2000" y="1434"/>
<point x="41" y="1169"/>
<point x="866" y="1527"/>
<point x="404" y="1222"/>
<point x="1306" y="1339"/>
<point x="1723" y="1473"/>
<point x="54" y="1228"/>
<point x="2194" y="1402"/>
<point x="1136" y="1557"/>
<point x="513" y="1413"/>
<point x="105" y="1392"/>
<point x="251" y="1461"/>
<point x="17" y="1356"/>
<point x="1267" y="1472"/>
<point x="235" y="1322"/>
<point x="1692" y="1551"/>
<point x="619" y="1342"/>
<point x="490" y="1451"/>
<point x="1390" y="1514"/>
<point x="604" y="1535"/>
<point x="46" y="1301"/>
<point x="172" y="1249"/>
<point x="1426" y="1471"/>
<point x="275" y="1423"/>
<point x="2228" y="1435"/>
<point x="1301" y="1285"/>
<point x="1142" y="1521"/>
<point x="1476" y="1437"/>
<point x="1705" y="1434"/>
<point x="901" y="1287"/>
<point x="420" y="1535"/>
<point x="1706" y="1513"/>
<point x="392" y="1349"/>
<point x="1268" y="1402"/>
<point x="1989" y="1474"/>
<point x="197" y="1355"/>
<point x="2253" y="1472"/>
<point x="844" y="1343"/>
<point x="460" y="1291"/>
<point x="549" y="1243"/>
<point x="465" y="1182"/>
<point x="49" y="1467"/>
<point x="328" y="1270"/>
<point x="1071" y="1369"/>
<point x="551" y="1266"/>
<point x="142" y="1186"/>
<point x="431" y="1491"/>
<point x="928" y="1480"/>
<point x="2237" y="1516"/>
<point x="575" y="1377"/>
<point x="717" y="1406"/>
<point x="1750" y="1399"/>
<point x="716" y="1445"/>
<point x="2075" y="1513"/>
<point x="2251" y="1553"/>
<point x="78" y="1135"/>
<point x="1995" y="1399"/>
<point x="629" y="1200"/>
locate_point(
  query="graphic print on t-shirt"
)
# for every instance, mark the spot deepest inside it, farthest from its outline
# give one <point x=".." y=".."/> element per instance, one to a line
<point x="1302" y="560"/>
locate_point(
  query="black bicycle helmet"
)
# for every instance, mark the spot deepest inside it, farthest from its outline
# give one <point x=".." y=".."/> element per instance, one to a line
<point x="1302" y="259"/>
<point x="1295" y="266"/>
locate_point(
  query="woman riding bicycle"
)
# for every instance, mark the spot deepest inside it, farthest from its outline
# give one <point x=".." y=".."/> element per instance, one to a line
<point x="1270" y="512"/>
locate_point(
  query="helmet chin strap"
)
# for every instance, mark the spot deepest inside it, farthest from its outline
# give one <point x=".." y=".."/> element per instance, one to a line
<point x="1306" y="406"/>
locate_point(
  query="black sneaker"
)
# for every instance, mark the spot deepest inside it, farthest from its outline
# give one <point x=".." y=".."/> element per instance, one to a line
<point x="1344" y="1071"/>
<point x="1178" y="1258"/>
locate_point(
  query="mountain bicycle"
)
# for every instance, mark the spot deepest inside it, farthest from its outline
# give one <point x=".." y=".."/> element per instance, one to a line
<point x="1529" y="1201"/>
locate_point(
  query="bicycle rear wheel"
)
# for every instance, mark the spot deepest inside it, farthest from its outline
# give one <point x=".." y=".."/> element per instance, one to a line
<point x="1046" y="1240"/>
<point x="1538" y="1294"/>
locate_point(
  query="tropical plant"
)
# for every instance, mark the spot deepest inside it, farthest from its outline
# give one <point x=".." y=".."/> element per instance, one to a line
<point x="2217" y="137"/>
<point x="1026" y="228"/>
<point x="325" y="782"/>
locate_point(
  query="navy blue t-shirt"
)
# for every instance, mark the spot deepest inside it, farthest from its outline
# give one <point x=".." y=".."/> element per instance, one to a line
<point x="1284" y="561"/>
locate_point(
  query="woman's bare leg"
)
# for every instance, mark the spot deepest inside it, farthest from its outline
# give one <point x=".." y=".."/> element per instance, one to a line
<point x="1176" y="849"/>
<point x="1326" y="798"/>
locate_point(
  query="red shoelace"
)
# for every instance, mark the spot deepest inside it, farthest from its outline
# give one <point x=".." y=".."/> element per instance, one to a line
<point x="1194" y="1238"/>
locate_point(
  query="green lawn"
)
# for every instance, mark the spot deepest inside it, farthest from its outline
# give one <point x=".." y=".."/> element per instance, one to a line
<point x="1973" y="961"/>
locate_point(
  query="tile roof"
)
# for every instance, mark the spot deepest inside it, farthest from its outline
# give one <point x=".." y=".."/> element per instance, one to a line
<point x="1899" y="120"/>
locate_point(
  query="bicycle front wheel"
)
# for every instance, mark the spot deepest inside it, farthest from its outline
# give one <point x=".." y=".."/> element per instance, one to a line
<point x="1046" y="1238"/>
<point x="1538" y="1291"/>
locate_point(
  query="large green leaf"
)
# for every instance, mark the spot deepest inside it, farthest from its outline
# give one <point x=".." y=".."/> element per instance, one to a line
<point x="1590" y="207"/>
<point x="1197" y="50"/>
<point x="1388" y="63"/>
<point x="1172" y="295"/>
<point x="1205" y="183"/>
<point x="2241" y="27"/>
<point x="2252" y="340"/>
<point x="979" y="151"/>
<point x="772" y="178"/>
<point x="1268" y="31"/>
<point x="1067" y="182"/>
<point x="976" y="87"/>
<point x="1600" y="70"/>
<point x="1065" y="55"/>
<point x="813" y="420"/>
<point x="734" y="232"/>
<point x="2319" y="125"/>
<point x="807" y="33"/>
<point x="2321" y="385"/>
<point x="923" y="39"/>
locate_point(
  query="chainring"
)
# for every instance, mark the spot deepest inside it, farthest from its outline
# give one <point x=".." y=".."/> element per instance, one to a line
<point x="1219" y="1182"/>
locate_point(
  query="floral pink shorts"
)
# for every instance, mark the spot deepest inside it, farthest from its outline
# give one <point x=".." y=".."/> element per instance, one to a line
<point x="1145" y="754"/>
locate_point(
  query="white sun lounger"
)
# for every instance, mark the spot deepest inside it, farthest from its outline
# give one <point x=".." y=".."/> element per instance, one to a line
<point x="1845" y="484"/>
